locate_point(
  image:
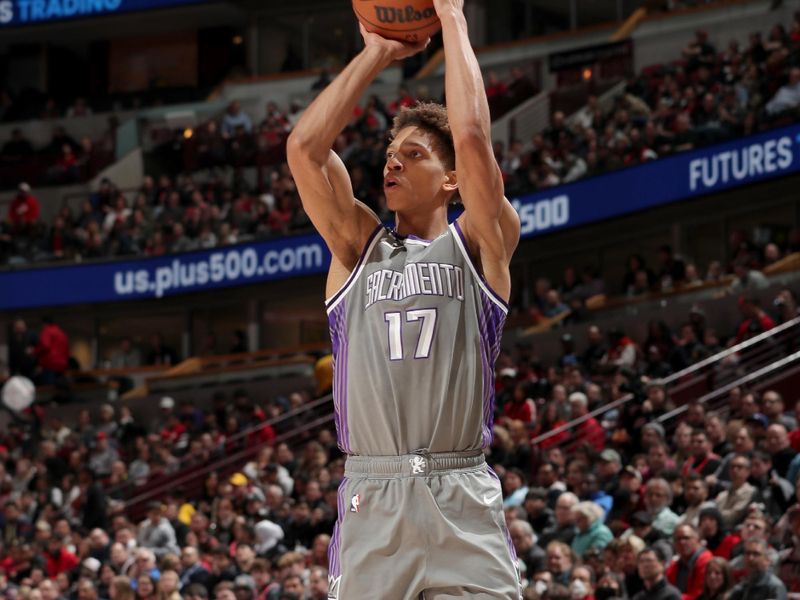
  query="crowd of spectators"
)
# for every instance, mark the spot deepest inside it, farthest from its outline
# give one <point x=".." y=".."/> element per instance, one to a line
<point x="707" y="96"/>
<point x="621" y="506"/>
<point x="63" y="160"/>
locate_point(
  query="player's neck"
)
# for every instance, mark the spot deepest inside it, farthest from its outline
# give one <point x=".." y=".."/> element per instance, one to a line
<point x="427" y="226"/>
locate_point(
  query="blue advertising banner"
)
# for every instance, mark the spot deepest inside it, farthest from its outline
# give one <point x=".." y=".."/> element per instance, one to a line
<point x="667" y="180"/>
<point x="17" y="13"/>
<point x="167" y="275"/>
<point x="677" y="177"/>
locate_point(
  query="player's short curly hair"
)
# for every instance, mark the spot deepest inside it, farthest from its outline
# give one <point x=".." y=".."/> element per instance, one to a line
<point x="432" y="118"/>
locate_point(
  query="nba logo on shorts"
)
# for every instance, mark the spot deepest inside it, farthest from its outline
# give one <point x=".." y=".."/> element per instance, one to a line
<point x="355" y="503"/>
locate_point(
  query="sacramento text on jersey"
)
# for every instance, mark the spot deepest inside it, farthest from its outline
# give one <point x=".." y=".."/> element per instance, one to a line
<point x="416" y="279"/>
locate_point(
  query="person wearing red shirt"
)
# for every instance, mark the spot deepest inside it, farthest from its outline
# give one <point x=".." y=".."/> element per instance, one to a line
<point x="702" y="460"/>
<point x="52" y="351"/>
<point x="520" y="407"/>
<point x="755" y="320"/>
<point x="59" y="559"/>
<point x="24" y="210"/>
<point x="688" y="571"/>
<point x="550" y="421"/>
<point x="589" y="431"/>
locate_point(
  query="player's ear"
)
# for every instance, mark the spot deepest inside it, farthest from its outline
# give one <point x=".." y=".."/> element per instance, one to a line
<point x="450" y="181"/>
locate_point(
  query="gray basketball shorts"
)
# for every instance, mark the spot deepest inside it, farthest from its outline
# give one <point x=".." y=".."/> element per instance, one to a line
<point x="421" y="526"/>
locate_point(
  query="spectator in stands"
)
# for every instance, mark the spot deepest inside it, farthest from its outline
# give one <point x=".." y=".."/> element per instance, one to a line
<point x="651" y="570"/>
<point x="755" y="321"/>
<point x="672" y="272"/>
<point x="515" y="487"/>
<point x="23" y="212"/>
<point x="734" y="502"/>
<point x="773" y="406"/>
<point x="774" y="492"/>
<point x="621" y="351"/>
<point x="688" y="571"/>
<point x="156" y="532"/>
<point x="747" y="278"/>
<point x="18" y="148"/>
<point x="703" y="460"/>
<point x="126" y="355"/>
<point x="718" y="580"/>
<point x="788" y="96"/>
<point x="52" y="352"/>
<point x="657" y="499"/>
<point x="789" y="559"/>
<point x="759" y="583"/>
<point x="564" y="529"/>
<point x="59" y="559"/>
<point x="592" y="533"/>
<point x="235" y="118"/>
<point x="103" y="456"/>
<point x="778" y="445"/>
<point x="22" y="349"/>
<point x="528" y="551"/>
<point x="589" y="433"/>
<point x="159" y="353"/>
<point x="596" y="349"/>
<point x="538" y="513"/>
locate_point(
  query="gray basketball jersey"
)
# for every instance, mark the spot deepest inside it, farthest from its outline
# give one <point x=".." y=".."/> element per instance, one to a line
<point x="416" y="332"/>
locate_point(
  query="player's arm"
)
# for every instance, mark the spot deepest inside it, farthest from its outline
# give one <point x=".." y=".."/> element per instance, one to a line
<point x="490" y="223"/>
<point x="321" y="177"/>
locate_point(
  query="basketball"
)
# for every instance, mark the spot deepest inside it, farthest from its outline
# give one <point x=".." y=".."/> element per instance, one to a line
<point x="405" y="20"/>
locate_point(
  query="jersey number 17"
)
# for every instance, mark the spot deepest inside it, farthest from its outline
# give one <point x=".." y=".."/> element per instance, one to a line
<point x="426" y="317"/>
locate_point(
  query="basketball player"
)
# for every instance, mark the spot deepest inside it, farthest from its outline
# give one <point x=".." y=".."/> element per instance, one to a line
<point x="416" y="315"/>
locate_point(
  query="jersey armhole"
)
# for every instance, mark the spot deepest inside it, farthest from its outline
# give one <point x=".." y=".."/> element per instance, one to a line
<point x="331" y="302"/>
<point x="461" y="242"/>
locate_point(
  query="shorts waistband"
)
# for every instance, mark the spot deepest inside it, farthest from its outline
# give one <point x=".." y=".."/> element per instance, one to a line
<point x="417" y="464"/>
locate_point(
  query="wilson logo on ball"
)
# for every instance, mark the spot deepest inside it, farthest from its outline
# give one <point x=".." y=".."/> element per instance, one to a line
<point x="408" y="14"/>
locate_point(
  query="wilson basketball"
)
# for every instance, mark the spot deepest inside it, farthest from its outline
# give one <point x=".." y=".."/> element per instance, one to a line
<point x="404" y="20"/>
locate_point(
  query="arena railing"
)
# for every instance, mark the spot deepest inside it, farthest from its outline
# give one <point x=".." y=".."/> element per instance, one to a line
<point x="786" y="367"/>
<point x="191" y="479"/>
<point x="720" y="371"/>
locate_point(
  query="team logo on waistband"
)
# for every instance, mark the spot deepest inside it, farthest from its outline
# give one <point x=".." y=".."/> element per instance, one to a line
<point x="418" y="465"/>
<point x="355" y="503"/>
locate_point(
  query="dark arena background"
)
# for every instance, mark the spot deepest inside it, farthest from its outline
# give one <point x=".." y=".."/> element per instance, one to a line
<point x="167" y="427"/>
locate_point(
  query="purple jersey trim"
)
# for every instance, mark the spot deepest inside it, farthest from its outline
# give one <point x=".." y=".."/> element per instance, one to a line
<point x="495" y="296"/>
<point x="491" y="319"/>
<point x="354" y="272"/>
<point x="337" y="322"/>
<point x="335" y="547"/>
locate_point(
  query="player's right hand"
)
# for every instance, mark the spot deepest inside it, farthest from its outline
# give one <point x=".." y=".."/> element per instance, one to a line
<point x="399" y="50"/>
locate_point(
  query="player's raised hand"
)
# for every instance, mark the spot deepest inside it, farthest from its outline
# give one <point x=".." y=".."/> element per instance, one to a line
<point x="399" y="50"/>
<point x="443" y="6"/>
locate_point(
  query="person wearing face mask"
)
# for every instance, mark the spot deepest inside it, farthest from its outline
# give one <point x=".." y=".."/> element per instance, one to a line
<point x="541" y="581"/>
<point x="610" y="585"/>
<point x="581" y="583"/>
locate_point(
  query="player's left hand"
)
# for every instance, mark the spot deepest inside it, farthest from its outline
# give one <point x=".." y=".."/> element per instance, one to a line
<point x="442" y="6"/>
<point x="399" y="50"/>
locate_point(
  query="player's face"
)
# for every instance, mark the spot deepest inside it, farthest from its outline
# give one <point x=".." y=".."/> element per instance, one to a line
<point x="414" y="175"/>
